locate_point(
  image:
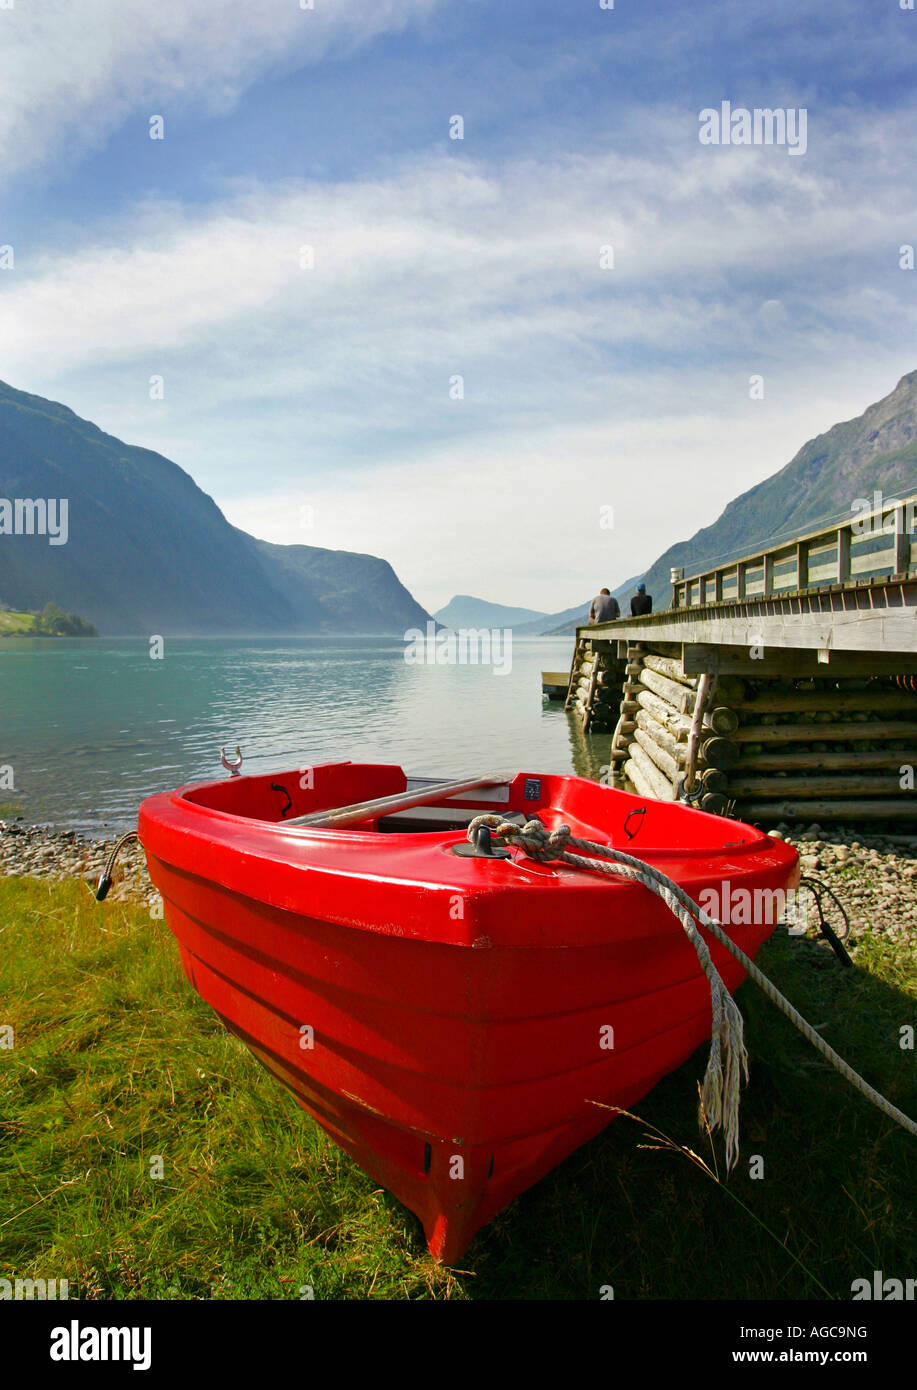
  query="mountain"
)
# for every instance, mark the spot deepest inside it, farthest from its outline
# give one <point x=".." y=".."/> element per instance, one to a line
<point x="144" y="550"/>
<point x="465" y="611"/>
<point x="567" y="620"/>
<point x="876" y="451"/>
<point x="348" y="591"/>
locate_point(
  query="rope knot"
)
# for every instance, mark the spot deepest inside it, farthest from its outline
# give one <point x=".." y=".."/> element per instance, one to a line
<point x="541" y="843"/>
<point x="534" y="837"/>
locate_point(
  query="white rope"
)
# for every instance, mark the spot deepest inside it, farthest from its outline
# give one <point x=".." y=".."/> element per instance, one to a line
<point x="728" y="1058"/>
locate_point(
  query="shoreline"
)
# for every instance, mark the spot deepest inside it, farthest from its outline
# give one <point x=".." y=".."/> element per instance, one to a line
<point x="40" y="851"/>
<point x="874" y="875"/>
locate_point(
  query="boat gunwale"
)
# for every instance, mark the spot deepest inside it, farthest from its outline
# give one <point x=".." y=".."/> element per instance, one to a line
<point x="277" y="831"/>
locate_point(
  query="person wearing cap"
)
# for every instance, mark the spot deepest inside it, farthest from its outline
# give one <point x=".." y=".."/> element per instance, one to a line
<point x="641" y="603"/>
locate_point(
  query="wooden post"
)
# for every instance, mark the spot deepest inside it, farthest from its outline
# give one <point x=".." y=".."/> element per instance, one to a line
<point x="802" y="564"/>
<point x="775" y="760"/>
<point x="677" y="695"/>
<point x="828" y="701"/>
<point x="722" y="720"/>
<point x="635" y="777"/>
<point x="697" y="719"/>
<point x="834" y="809"/>
<point x="902" y="542"/>
<point x="660" y="734"/>
<point x="813" y="785"/>
<point x="826" y="733"/>
<point x="574" y="667"/>
<point x="587" y="707"/>
<point x="620" y="740"/>
<point x="843" y="554"/>
<point x="652" y="777"/>
<point x="663" y="760"/>
<point x="719" y="752"/>
<point x="671" y="667"/>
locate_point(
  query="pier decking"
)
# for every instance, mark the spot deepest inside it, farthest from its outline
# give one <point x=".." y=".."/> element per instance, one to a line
<point x="780" y="685"/>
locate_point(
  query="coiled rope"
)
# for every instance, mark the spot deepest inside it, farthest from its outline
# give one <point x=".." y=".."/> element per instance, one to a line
<point x="728" y="1057"/>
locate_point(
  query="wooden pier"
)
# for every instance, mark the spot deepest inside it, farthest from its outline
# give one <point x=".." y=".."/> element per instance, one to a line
<point x="781" y="686"/>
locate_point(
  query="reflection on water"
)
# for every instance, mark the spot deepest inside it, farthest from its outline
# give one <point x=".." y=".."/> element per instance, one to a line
<point x="90" y="727"/>
<point x="589" y="752"/>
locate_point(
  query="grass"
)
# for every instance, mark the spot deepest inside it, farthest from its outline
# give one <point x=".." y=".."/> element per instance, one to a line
<point x="116" y="1060"/>
<point x="16" y="624"/>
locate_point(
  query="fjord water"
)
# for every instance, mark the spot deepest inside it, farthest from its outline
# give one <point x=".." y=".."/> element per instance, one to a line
<point x="92" y="726"/>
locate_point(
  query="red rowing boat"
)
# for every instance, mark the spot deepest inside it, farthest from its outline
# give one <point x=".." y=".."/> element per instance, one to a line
<point x="447" y="1014"/>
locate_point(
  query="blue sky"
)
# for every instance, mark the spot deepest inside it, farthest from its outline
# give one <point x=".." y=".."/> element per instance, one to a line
<point x="314" y="403"/>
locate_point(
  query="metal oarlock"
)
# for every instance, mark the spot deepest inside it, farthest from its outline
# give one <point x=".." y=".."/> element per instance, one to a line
<point x="232" y="767"/>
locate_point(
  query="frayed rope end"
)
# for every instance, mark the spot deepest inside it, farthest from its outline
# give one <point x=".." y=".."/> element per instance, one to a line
<point x="719" y="1106"/>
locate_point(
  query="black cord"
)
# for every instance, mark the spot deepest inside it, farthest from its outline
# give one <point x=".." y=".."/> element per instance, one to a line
<point x="816" y="888"/>
<point x="105" y="880"/>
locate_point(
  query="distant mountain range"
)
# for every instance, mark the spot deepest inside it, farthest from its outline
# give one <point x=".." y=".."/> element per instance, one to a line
<point x="465" y="611"/>
<point x="876" y="451"/>
<point x="571" y="618"/>
<point x="148" y="552"/>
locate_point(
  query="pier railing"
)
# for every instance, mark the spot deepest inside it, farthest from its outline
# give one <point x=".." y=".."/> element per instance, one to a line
<point x="869" y="545"/>
<point x="779" y="686"/>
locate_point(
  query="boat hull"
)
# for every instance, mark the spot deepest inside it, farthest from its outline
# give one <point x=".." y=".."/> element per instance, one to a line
<point x="456" y="1025"/>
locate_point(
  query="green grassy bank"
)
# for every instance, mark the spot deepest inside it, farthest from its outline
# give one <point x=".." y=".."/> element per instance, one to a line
<point x="52" y="621"/>
<point x="116" y="1060"/>
<point x="17" y="624"/>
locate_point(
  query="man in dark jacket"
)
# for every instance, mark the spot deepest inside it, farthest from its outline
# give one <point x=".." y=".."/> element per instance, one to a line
<point x="641" y="603"/>
<point x="604" y="608"/>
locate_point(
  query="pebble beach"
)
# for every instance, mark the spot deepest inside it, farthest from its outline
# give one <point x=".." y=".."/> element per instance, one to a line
<point x="41" y="852"/>
<point x="874" y="876"/>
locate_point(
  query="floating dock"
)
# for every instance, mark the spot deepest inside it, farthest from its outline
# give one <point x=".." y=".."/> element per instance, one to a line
<point x="554" y="684"/>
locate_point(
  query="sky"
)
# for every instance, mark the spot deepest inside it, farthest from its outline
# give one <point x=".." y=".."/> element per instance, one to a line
<point x="516" y="364"/>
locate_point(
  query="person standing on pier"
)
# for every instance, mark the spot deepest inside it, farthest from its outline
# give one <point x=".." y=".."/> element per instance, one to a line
<point x="604" y="608"/>
<point x="641" y="603"/>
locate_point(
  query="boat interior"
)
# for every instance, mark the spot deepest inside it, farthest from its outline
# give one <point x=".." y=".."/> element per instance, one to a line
<point x="382" y="798"/>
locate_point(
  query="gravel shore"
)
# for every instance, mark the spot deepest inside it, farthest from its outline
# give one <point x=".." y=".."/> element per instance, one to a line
<point x="39" y="852"/>
<point x="873" y="875"/>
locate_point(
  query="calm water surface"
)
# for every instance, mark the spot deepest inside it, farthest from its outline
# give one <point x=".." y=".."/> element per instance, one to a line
<point x="92" y="726"/>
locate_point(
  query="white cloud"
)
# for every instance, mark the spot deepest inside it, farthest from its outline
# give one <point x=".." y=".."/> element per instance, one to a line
<point x="583" y="386"/>
<point x="519" y="520"/>
<point x="71" y="72"/>
<point x="448" y="256"/>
